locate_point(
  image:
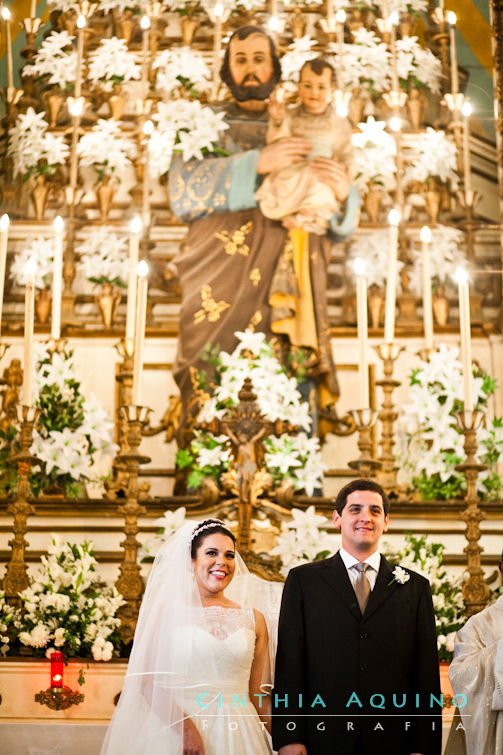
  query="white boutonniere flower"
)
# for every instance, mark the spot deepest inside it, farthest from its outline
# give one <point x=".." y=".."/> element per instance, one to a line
<point x="400" y="576"/>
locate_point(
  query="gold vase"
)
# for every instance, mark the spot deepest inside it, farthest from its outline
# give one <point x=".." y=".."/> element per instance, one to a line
<point x="355" y="108"/>
<point x="126" y="25"/>
<point x="108" y="301"/>
<point x="298" y="24"/>
<point x="376" y="305"/>
<point x="440" y="305"/>
<point x="432" y="199"/>
<point x="117" y="103"/>
<point x="43" y="301"/>
<point x="54" y="105"/>
<point x="372" y="202"/>
<point x="415" y="107"/>
<point x="105" y="192"/>
<point x="40" y="196"/>
<point x="189" y="26"/>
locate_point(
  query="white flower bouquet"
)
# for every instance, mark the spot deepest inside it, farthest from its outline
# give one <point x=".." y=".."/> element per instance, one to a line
<point x="169" y="523"/>
<point x="365" y="63"/>
<point x="296" y="458"/>
<point x="68" y="607"/>
<point x="436" y="159"/>
<point x="417" y="66"/>
<point x="111" y="64"/>
<point x="106" y="149"/>
<point x="427" y="559"/>
<point x="34" y="150"/>
<point x="104" y="257"/>
<point x="431" y="445"/>
<point x="42" y="251"/>
<point x="119" y="6"/>
<point x="10" y="624"/>
<point x="182" y="72"/>
<point x="448" y="247"/>
<point x="303" y="538"/>
<point x="184" y="128"/>
<point x="372" y="248"/>
<point x="374" y="154"/>
<point x="73" y="434"/>
<point x="414" y="7"/>
<point x="55" y="62"/>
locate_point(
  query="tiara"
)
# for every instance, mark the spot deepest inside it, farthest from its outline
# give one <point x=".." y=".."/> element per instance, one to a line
<point x="214" y="523"/>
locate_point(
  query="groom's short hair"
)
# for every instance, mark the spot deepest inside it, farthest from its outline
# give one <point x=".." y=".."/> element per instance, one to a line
<point x="362" y="484"/>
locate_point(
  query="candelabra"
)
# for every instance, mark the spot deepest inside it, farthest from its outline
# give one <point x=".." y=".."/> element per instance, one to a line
<point x="365" y="420"/>
<point x="475" y="589"/>
<point x="16" y="576"/>
<point x="388" y="353"/>
<point x="130" y="583"/>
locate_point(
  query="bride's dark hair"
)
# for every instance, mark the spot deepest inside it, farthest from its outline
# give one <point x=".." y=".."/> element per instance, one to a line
<point x="205" y="528"/>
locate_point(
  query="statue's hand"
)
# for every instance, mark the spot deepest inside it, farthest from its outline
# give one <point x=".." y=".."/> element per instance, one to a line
<point x="282" y="153"/>
<point x="333" y="174"/>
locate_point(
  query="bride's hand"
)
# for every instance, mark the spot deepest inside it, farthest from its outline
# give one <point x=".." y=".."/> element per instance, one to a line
<point x="192" y="742"/>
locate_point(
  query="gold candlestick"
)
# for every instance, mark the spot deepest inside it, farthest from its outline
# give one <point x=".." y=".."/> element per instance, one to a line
<point x="364" y="420"/>
<point x="16" y="576"/>
<point x="388" y="353"/>
<point x="130" y="583"/>
<point x="475" y="589"/>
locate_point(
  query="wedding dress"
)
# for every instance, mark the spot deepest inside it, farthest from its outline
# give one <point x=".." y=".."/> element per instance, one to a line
<point x="226" y="718"/>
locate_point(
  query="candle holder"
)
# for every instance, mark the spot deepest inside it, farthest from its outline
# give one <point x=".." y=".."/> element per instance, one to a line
<point x="16" y="575"/>
<point x="130" y="583"/>
<point x="31" y="27"/>
<point x="475" y="589"/>
<point x="425" y="353"/>
<point x="116" y="485"/>
<point x="57" y="696"/>
<point x="388" y="353"/>
<point x="364" y="420"/>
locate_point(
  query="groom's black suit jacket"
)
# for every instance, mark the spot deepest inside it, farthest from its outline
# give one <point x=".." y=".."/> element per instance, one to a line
<point x="327" y="648"/>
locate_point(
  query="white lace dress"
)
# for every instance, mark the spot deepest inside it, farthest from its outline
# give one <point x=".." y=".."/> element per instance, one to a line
<point x="225" y="639"/>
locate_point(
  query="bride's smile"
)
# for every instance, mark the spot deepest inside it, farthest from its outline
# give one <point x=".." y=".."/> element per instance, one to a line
<point x="214" y="565"/>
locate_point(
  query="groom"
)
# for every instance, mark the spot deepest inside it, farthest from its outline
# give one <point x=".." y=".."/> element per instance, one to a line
<point x="357" y="663"/>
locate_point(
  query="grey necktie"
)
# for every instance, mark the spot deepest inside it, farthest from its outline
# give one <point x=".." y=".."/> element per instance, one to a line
<point x="362" y="585"/>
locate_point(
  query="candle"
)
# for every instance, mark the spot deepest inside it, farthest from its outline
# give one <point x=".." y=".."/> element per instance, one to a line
<point x="389" y="316"/>
<point x="427" y="305"/>
<point x="8" y="44"/>
<point x="145" y="25"/>
<point x="29" y="306"/>
<point x="33" y="10"/>
<point x="81" y="22"/>
<point x="451" y="19"/>
<point x="57" y="278"/>
<point x="135" y="228"/>
<point x="218" y="11"/>
<point x="141" y="319"/>
<point x="393" y="19"/>
<point x="340" y="17"/>
<point x="56" y="669"/>
<point x="361" y="321"/>
<point x="465" y="332"/>
<point x="4" y="234"/>
<point x="148" y="128"/>
<point x="467" y="111"/>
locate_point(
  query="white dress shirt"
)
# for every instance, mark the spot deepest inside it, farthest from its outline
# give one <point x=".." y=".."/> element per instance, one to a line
<point x="374" y="562"/>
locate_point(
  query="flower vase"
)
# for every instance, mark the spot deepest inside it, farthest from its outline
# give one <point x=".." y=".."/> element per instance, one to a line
<point x="108" y="302"/>
<point x="355" y="20"/>
<point x="117" y="103"/>
<point x="372" y="202"/>
<point x="408" y="25"/>
<point x="105" y="192"/>
<point x="432" y="199"/>
<point x="440" y="305"/>
<point x="298" y="23"/>
<point x="43" y="301"/>
<point x="126" y="25"/>
<point x="54" y="105"/>
<point x="415" y="107"/>
<point x="40" y="196"/>
<point x="376" y="305"/>
<point x="189" y="26"/>
<point x="355" y="108"/>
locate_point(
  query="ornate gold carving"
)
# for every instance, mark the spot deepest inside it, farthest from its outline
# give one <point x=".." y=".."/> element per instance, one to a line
<point x="255" y="276"/>
<point x="386" y="475"/>
<point x="235" y="244"/>
<point x="211" y="308"/>
<point x="12" y="380"/>
<point x="59" y="698"/>
<point x="255" y="320"/>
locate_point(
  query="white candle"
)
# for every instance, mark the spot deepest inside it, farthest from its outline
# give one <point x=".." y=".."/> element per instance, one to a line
<point x="145" y="25"/>
<point x="427" y="304"/>
<point x="393" y="18"/>
<point x="451" y="18"/>
<point x="465" y="331"/>
<point x="4" y="235"/>
<point x="33" y="10"/>
<point x="29" y="307"/>
<point x="148" y="128"/>
<point x="362" y="325"/>
<point x="467" y="111"/>
<point x="340" y="17"/>
<point x="81" y="23"/>
<point x="135" y="228"/>
<point x="8" y="44"/>
<point x="141" y="319"/>
<point x="57" y="278"/>
<point x="389" y="315"/>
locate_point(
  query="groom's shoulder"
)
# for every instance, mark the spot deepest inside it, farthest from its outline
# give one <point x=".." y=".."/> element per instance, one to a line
<point x="312" y="569"/>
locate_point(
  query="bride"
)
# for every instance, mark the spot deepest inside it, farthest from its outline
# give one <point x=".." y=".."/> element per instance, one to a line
<point x="199" y="672"/>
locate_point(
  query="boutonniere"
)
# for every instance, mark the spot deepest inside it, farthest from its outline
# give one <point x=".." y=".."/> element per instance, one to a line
<point x="399" y="575"/>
